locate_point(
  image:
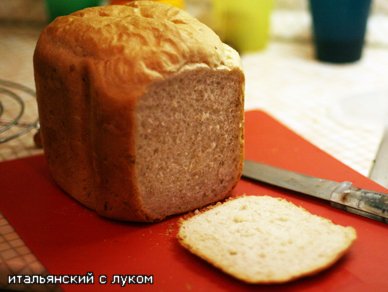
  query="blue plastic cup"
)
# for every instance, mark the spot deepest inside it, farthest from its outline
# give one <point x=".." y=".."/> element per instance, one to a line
<point x="339" y="29"/>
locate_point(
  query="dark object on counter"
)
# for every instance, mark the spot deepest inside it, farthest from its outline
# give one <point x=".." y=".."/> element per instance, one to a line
<point x="38" y="139"/>
<point x="339" y="29"/>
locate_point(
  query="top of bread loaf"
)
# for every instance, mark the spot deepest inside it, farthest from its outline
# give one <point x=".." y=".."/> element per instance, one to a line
<point x="151" y="40"/>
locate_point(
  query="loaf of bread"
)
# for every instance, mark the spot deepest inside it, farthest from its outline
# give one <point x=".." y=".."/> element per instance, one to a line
<point x="260" y="239"/>
<point x="141" y="110"/>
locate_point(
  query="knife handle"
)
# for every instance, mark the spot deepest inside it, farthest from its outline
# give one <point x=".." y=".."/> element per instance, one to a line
<point x="367" y="203"/>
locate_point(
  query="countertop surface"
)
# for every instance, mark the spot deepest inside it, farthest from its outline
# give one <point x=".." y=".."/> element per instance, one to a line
<point x="339" y="108"/>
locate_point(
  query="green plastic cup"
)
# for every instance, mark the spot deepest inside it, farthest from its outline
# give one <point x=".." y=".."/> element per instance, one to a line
<point x="57" y="8"/>
<point x="243" y="24"/>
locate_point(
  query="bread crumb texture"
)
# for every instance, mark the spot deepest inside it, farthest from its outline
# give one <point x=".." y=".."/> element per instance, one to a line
<point x="261" y="239"/>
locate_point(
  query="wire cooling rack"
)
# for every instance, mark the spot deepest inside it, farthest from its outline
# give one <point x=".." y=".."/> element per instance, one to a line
<point x="14" y="99"/>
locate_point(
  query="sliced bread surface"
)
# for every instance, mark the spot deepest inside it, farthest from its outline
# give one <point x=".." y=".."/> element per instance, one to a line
<point x="261" y="239"/>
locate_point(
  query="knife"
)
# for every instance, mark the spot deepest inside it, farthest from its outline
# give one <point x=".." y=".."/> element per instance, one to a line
<point x="343" y="195"/>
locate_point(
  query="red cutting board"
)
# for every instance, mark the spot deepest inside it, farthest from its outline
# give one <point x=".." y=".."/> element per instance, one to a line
<point x="70" y="239"/>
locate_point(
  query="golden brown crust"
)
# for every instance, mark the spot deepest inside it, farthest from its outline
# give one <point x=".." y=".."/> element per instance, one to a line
<point x="144" y="40"/>
<point x="90" y="68"/>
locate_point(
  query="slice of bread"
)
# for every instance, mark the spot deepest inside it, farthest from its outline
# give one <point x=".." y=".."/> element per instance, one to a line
<point x="261" y="239"/>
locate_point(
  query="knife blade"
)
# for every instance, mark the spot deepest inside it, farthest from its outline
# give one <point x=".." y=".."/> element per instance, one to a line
<point x="343" y="195"/>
